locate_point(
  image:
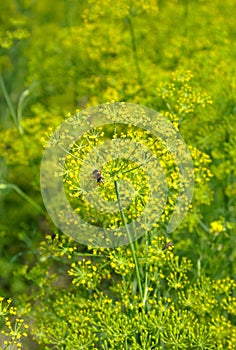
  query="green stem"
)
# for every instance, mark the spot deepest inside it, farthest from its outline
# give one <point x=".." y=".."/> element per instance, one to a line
<point x="23" y="195"/>
<point x="186" y="13"/>
<point x="20" y="107"/>
<point x="146" y="273"/>
<point x="10" y="105"/>
<point x="130" y="240"/>
<point x="135" y="54"/>
<point x="138" y="166"/>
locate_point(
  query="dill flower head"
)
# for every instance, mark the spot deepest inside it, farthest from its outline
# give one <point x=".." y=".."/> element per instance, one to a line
<point x="108" y="172"/>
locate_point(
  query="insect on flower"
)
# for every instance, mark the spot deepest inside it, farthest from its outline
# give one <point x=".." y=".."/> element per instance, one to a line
<point x="97" y="175"/>
<point x="167" y="245"/>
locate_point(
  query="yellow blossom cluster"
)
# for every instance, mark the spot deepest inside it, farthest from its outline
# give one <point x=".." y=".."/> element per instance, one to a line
<point x="14" y="331"/>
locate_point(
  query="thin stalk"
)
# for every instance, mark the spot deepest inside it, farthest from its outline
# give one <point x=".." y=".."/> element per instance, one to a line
<point x="10" y="105"/>
<point x="130" y="240"/>
<point x="135" y="54"/>
<point x="20" y="106"/>
<point x="4" y="186"/>
<point x="8" y="100"/>
<point x="138" y="166"/>
<point x="186" y="14"/>
<point x="146" y="273"/>
<point x="135" y="168"/>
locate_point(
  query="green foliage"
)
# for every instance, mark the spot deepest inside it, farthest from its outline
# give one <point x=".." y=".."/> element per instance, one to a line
<point x="177" y="57"/>
<point x="100" y="307"/>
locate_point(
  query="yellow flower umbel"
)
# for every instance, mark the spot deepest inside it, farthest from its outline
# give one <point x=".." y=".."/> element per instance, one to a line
<point x="14" y="331"/>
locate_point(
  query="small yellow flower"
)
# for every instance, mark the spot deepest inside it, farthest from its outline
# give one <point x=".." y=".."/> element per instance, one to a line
<point x="216" y="227"/>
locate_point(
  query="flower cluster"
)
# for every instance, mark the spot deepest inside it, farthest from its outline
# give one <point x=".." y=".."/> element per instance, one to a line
<point x="14" y="330"/>
<point x="104" y="305"/>
<point x="180" y="98"/>
<point x="85" y="274"/>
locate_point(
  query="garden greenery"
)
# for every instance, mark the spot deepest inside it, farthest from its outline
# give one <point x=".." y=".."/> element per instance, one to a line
<point x="165" y="290"/>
